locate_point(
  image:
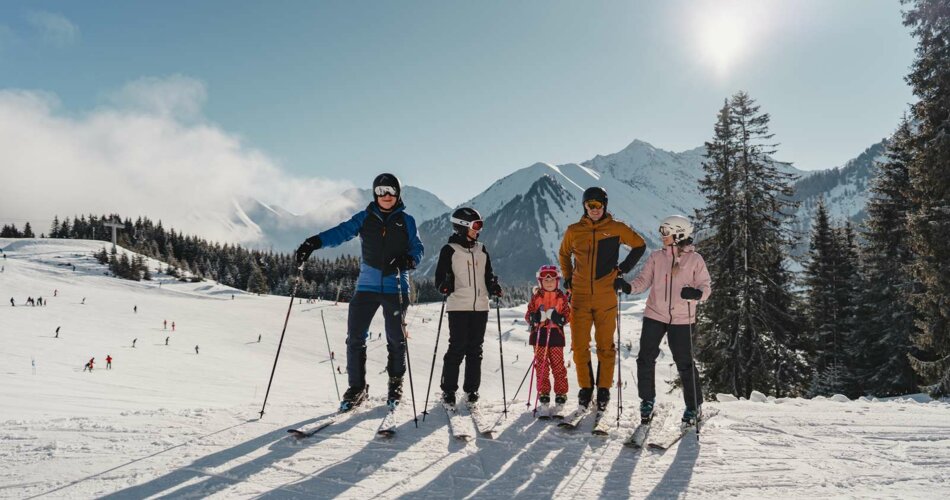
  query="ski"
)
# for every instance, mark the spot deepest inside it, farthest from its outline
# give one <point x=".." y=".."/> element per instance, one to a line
<point x="344" y="412"/>
<point x="544" y="411"/>
<point x="571" y="420"/>
<point x="456" y="423"/>
<point x="387" y="427"/>
<point x="478" y="418"/>
<point x="601" y="424"/>
<point x="639" y="436"/>
<point x="557" y="412"/>
<point x="665" y="444"/>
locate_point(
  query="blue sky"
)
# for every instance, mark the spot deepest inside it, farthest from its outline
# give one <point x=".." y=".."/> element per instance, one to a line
<point x="452" y="95"/>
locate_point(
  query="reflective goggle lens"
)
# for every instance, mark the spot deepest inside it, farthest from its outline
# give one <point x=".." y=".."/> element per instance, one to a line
<point x="384" y="190"/>
<point x="477" y="225"/>
<point x="665" y="231"/>
<point x="593" y="204"/>
<point x="549" y="276"/>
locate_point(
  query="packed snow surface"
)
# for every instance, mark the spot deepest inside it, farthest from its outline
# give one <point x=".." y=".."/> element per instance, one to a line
<point x="167" y="422"/>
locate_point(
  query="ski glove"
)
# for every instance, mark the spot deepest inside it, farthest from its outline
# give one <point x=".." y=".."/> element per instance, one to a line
<point x="621" y="284"/>
<point x="494" y="288"/>
<point x="306" y="248"/>
<point x="404" y="262"/>
<point x="447" y="286"/>
<point x="535" y="317"/>
<point x="558" y="319"/>
<point x="690" y="293"/>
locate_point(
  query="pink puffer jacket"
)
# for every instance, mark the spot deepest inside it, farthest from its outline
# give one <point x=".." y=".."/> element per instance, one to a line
<point x="665" y="282"/>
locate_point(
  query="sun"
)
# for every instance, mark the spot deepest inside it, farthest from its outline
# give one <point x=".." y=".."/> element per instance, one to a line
<point x="723" y="38"/>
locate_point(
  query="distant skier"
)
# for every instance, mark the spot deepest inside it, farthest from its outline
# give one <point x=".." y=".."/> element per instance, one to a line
<point x="85" y="367"/>
<point x="196" y="348"/>
<point x="390" y="247"/>
<point x="332" y="355"/>
<point x="464" y="274"/>
<point x="258" y="338"/>
<point x="135" y="309"/>
<point x="173" y="326"/>
<point x="83" y="301"/>
<point x="108" y="361"/>
<point x="92" y="362"/>
<point x="57" y="332"/>
<point x="166" y="340"/>
<point x="134" y="341"/>
<point x="55" y="292"/>
<point x="677" y="278"/>
<point x="165" y="325"/>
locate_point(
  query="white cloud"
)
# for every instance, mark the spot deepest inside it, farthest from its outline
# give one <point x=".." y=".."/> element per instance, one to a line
<point x="138" y="156"/>
<point x="54" y="28"/>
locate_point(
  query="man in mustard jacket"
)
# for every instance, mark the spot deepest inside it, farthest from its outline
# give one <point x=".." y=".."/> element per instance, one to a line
<point x="589" y="257"/>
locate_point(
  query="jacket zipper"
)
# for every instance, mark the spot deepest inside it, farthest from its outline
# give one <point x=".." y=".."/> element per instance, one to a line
<point x="593" y="260"/>
<point x="669" y="297"/>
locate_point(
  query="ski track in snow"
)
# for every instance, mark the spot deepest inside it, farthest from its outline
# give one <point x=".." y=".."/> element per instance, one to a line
<point x="167" y="423"/>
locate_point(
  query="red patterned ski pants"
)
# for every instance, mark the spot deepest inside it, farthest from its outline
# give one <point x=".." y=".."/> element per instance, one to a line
<point x="552" y="361"/>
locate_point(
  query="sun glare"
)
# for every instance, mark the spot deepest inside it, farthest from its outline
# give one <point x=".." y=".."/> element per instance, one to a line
<point x="722" y="38"/>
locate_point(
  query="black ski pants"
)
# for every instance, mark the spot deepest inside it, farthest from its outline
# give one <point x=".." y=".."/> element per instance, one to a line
<point x="466" y="336"/>
<point x="362" y="309"/>
<point x="650" y="337"/>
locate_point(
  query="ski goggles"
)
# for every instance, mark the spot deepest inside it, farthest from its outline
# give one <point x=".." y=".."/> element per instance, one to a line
<point x="384" y="190"/>
<point x="593" y="204"/>
<point x="549" y="276"/>
<point x="474" y="224"/>
<point x="666" y="231"/>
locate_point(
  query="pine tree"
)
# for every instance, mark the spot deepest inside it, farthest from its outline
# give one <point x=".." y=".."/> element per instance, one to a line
<point x="929" y="169"/>
<point x="28" y="231"/>
<point x="822" y="308"/>
<point x="256" y="282"/>
<point x="748" y="330"/>
<point x="883" y="345"/>
<point x="54" y="227"/>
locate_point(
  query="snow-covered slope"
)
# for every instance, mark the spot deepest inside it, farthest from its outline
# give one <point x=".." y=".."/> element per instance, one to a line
<point x="166" y="422"/>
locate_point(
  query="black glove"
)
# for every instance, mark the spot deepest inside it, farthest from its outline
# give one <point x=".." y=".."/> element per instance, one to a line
<point x="494" y="288"/>
<point x="621" y="284"/>
<point x="306" y="248"/>
<point x="690" y="293"/>
<point x="535" y="317"/>
<point x="558" y="319"/>
<point x="447" y="286"/>
<point x="404" y="262"/>
<point x="567" y="283"/>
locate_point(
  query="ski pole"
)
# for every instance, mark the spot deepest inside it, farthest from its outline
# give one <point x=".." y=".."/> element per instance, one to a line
<point x="515" y="397"/>
<point x="619" y="370"/>
<point x="405" y="343"/>
<point x="330" y="352"/>
<point x="501" y="353"/>
<point x="438" y="331"/>
<point x="293" y="293"/>
<point x="695" y="372"/>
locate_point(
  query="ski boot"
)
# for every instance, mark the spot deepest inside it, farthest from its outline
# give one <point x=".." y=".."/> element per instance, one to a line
<point x="603" y="398"/>
<point x="353" y="397"/>
<point x="472" y="398"/>
<point x="543" y="408"/>
<point x="646" y="411"/>
<point x="448" y="400"/>
<point x="584" y="396"/>
<point x="559" y="401"/>
<point x="690" y="417"/>
<point x="395" y="392"/>
<point x="544" y="399"/>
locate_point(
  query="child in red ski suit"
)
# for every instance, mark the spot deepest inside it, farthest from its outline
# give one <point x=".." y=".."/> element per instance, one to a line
<point x="548" y="311"/>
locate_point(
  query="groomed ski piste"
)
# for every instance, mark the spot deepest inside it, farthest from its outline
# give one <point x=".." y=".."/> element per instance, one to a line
<point x="167" y="422"/>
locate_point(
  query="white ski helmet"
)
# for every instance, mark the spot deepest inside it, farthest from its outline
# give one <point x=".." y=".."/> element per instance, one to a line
<point x="677" y="226"/>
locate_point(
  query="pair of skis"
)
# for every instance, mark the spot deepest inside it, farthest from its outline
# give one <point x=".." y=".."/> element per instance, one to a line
<point x="459" y="426"/>
<point x="669" y="435"/>
<point x="572" y="420"/>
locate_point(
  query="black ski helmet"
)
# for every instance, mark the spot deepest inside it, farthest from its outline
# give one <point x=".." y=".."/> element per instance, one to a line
<point x="387" y="180"/>
<point x="465" y="218"/>
<point x="596" y="193"/>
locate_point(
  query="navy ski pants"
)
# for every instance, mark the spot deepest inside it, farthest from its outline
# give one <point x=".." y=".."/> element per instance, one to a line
<point x="362" y="309"/>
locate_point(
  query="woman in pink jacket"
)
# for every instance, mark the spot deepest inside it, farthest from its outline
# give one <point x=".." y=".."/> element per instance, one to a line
<point x="677" y="278"/>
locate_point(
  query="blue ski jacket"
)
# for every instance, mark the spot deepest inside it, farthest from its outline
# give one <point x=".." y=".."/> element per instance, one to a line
<point x="383" y="237"/>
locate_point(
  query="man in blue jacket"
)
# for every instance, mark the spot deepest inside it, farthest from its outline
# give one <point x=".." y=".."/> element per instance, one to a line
<point x="390" y="247"/>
